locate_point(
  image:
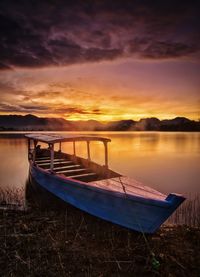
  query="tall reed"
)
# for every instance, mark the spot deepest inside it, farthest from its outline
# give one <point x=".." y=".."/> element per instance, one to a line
<point x="12" y="198"/>
<point x="188" y="213"/>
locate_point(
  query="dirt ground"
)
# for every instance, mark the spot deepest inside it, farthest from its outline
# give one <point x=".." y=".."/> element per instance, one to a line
<point x="69" y="242"/>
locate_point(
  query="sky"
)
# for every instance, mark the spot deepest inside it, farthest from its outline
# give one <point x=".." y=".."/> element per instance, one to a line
<point x="101" y="60"/>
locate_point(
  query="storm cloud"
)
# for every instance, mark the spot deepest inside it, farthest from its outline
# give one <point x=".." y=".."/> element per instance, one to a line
<point x="57" y="33"/>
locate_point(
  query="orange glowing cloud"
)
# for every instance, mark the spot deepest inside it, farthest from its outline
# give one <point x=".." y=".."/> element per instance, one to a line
<point x="105" y="91"/>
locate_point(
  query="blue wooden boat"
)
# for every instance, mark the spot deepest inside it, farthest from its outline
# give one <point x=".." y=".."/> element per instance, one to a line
<point x="94" y="188"/>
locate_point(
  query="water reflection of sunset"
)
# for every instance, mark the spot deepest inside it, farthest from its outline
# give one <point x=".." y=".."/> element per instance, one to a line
<point x="150" y="156"/>
<point x="166" y="161"/>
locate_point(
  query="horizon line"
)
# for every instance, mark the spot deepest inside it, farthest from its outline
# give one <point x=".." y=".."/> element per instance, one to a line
<point x="101" y="121"/>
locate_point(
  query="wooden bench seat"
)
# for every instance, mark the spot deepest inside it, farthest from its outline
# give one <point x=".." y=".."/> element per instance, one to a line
<point x="67" y="167"/>
<point x="83" y="177"/>
<point x="55" y="163"/>
<point x="43" y="158"/>
<point x="72" y="171"/>
<point x="48" y="161"/>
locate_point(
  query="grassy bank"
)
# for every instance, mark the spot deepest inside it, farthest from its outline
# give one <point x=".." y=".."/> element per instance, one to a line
<point x="72" y="243"/>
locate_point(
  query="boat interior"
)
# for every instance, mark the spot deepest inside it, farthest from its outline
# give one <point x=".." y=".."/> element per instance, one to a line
<point x="96" y="175"/>
<point x="73" y="167"/>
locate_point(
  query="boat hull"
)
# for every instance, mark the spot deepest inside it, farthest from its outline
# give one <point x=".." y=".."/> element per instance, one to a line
<point x="137" y="213"/>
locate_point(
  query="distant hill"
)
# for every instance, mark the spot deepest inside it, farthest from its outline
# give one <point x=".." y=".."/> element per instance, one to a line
<point x="33" y="123"/>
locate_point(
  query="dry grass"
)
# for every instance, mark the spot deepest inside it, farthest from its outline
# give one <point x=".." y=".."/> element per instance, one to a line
<point x="68" y="242"/>
<point x="12" y="198"/>
<point x="188" y="213"/>
<point x="72" y="243"/>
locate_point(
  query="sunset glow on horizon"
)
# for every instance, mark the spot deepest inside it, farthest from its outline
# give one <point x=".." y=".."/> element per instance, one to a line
<point x="112" y="63"/>
<point x="104" y="91"/>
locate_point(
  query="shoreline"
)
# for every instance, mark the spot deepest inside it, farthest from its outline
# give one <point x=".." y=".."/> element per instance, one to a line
<point x="69" y="242"/>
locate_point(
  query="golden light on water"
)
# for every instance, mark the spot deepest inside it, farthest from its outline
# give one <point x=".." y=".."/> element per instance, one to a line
<point x="166" y="161"/>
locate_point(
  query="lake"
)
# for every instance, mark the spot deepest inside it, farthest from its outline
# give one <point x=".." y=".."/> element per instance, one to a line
<point x="166" y="161"/>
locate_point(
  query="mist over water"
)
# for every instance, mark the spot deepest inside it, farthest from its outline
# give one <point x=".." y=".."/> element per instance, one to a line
<point x="169" y="162"/>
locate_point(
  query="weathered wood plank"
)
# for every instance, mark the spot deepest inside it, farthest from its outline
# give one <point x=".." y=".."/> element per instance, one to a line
<point x="51" y="138"/>
<point x="63" y="162"/>
<point x="128" y="186"/>
<point x="67" y="167"/>
<point x="48" y="160"/>
<point x="72" y="171"/>
<point x="82" y="175"/>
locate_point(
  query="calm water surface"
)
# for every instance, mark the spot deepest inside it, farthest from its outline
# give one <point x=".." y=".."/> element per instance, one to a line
<point x="168" y="162"/>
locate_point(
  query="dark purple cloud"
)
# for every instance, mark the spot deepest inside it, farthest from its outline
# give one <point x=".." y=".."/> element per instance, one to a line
<point x="77" y="110"/>
<point x="58" y="32"/>
<point x="167" y="49"/>
<point x="7" y="107"/>
<point x="29" y="108"/>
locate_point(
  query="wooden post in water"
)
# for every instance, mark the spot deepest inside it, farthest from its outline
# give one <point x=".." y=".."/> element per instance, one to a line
<point x="74" y="148"/>
<point x="34" y="151"/>
<point x="88" y="151"/>
<point x="106" y="153"/>
<point x="51" y="147"/>
<point x="29" y="149"/>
